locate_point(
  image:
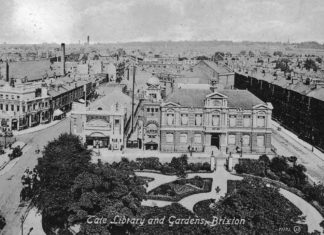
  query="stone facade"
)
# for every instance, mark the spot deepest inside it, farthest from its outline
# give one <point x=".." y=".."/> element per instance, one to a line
<point x="217" y="123"/>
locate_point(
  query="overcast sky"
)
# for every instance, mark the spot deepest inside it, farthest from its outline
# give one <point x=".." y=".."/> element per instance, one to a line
<point x="37" y="21"/>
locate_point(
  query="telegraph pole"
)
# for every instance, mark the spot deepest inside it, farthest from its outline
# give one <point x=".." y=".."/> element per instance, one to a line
<point x="134" y="70"/>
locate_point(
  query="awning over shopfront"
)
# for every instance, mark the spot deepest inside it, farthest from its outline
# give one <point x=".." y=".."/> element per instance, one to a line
<point x="57" y="113"/>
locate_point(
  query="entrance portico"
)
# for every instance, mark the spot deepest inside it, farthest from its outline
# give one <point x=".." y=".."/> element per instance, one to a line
<point x="215" y="140"/>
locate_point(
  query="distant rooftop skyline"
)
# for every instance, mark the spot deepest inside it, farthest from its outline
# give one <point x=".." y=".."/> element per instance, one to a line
<point x="38" y="21"/>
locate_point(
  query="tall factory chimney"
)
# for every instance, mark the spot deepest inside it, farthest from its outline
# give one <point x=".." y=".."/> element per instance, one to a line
<point x="7" y="71"/>
<point x="63" y="58"/>
<point x="88" y="40"/>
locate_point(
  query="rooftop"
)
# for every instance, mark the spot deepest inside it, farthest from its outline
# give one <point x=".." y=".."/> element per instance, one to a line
<point x="195" y="98"/>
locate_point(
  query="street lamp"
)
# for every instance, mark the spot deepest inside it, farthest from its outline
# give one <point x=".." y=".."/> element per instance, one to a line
<point x="241" y="147"/>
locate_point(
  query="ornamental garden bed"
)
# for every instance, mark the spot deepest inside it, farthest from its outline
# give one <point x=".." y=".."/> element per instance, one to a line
<point x="179" y="189"/>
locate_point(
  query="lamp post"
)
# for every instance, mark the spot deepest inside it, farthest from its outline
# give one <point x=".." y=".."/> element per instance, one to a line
<point x="241" y="147"/>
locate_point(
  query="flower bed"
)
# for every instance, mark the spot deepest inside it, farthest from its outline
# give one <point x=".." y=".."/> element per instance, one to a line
<point x="178" y="189"/>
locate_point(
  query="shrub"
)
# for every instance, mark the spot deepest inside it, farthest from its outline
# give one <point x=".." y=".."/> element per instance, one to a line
<point x="2" y="222"/>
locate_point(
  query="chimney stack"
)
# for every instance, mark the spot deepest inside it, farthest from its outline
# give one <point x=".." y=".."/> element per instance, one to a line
<point x="7" y="71"/>
<point x="63" y="58"/>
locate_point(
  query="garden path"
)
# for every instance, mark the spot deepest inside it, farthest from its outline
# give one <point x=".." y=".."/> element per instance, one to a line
<point x="220" y="177"/>
<point x="313" y="217"/>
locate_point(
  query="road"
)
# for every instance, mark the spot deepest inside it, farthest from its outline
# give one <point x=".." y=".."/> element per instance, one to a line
<point x="287" y="147"/>
<point x="10" y="183"/>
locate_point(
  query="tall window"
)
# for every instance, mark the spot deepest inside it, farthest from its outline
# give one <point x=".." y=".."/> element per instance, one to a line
<point x="183" y="138"/>
<point x="246" y="120"/>
<point x="198" y="138"/>
<point x="169" y="138"/>
<point x="261" y="121"/>
<point x="260" y="140"/>
<point x="232" y="120"/>
<point x="231" y="139"/>
<point x="170" y="119"/>
<point x="215" y="120"/>
<point x="184" y="119"/>
<point x="198" y="119"/>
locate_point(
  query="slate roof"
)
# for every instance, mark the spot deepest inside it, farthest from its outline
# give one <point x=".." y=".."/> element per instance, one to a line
<point x="195" y="98"/>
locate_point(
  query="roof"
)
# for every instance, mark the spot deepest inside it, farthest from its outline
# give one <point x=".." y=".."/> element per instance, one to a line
<point x="218" y="68"/>
<point x="195" y="98"/>
<point x="110" y="99"/>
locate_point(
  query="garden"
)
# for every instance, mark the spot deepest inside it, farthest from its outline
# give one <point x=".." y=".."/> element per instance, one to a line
<point x="287" y="171"/>
<point x="178" y="189"/>
<point x="262" y="207"/>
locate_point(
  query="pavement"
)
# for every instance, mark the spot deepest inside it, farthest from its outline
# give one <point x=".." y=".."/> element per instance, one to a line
<point x="35" y="128"/>
<point x="11" y="180"/>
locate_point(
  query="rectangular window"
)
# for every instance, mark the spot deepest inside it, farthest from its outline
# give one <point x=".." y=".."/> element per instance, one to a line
<point x="261" y="121"/>
<point x="18" y="97"/>
<point x="231" y="139"/>
<point x="148" y="110"/>
<point x="169" y="138"/>
<point x="198" y="138"/>
<point x="246" y="120"/>
<point x="183" y="138"/>
<point x="12" y="97"/>
<point x="12" y="107"/>
<point x="246" y="140"/>
<point x="7" y="107"/>
<point x="215" y="120"/>
<point x="24" y="108"/>
<point x="17" y="108"/>
<point x="116" y="121"/>
<point x="152" y="110"/>
<point x="260" y="140"/>
<point x="184" y="119"/>
<point x="1" y="106"/>
<point x="7" y="96"/>
<point x="156" y="110"/>
<point x="232" y="119"/>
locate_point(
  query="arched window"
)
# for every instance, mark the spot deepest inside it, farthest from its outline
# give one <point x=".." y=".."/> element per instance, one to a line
<point x="261" y="119"/>
<point x="215" y="120"/>
<point x="170" y="119"/>
<point x="184" y="119"/>
<point x="198" y="119"/>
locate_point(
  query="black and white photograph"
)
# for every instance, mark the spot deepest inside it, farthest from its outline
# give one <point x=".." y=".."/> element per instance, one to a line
<point x="161" y="117"/>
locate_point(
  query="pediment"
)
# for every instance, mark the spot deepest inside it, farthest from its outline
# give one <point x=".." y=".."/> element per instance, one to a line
<point x="170" y="105"/>
<point x="261" y="106"/>
<point x="216" y="95"/>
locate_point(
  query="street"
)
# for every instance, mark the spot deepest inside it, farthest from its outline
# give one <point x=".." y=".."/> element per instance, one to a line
<point x="287" y="147"/>
<point x="10" y="182"/>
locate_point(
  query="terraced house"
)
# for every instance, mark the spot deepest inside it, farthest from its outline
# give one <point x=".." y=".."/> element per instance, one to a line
<point x="205" y="120"/>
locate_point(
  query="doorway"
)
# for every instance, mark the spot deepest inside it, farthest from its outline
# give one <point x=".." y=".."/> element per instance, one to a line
<point x="215" y="140"/>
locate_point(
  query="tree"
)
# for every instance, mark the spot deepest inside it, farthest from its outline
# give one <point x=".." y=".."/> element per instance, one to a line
<point x="107" y="191"/>
<point x="282" y="64"/>
<point x="277" y="53"/>
<point x="319" y="60"/>
<point x="63" y="160"/>
<point x="278" y="164"/>
<point x="310" y="64"/>
<point x="2" y="222"/>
